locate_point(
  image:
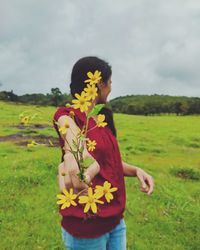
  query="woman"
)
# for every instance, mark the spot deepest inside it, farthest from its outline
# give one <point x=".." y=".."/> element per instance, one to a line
<point x="105" y="229"/>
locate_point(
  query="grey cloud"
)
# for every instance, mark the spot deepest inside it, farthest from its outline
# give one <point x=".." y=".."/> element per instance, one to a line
<point x="153" y="46"/>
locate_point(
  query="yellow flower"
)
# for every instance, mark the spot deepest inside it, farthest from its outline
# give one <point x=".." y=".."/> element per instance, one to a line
<point x="81" y="102"/>
<point x="32" y="144"/>
<point x="91" y="91"/>
<point x="25" y="120"/>
<point x="71" y="114"/>
<point x="67" y="199"/>
<point x="105" y="190"/>
<point x="91" y="145"/>
<point x="63" y="129"/>
<point x="100" y="120"/>
<point x="67" y="105"/>
<point x="93" y="78"/>
<point x="90" y="201"/>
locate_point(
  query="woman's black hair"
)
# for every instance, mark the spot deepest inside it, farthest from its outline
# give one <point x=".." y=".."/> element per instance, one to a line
<point x="79" y="75"/>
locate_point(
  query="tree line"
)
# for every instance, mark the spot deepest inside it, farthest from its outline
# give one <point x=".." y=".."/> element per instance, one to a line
<point x="129" y="104"/>
<point x="156" y="104"/>
<point x="55" y="98"/>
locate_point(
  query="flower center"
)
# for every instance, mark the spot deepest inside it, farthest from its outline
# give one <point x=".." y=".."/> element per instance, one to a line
<point x="105" y="191"/>
<point x="68" y="199"/>
<point x="91" y="200"/>
<point x="82" y="102"/>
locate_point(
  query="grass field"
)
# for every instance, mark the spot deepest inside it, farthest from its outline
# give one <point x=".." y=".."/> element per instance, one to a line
<point x="167" y="147"/>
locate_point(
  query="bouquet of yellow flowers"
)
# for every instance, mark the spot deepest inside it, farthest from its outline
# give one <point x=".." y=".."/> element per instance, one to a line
<point x="83" y="101"/>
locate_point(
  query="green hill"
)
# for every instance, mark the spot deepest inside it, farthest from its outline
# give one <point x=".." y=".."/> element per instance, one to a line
<point x="156" y="104"/>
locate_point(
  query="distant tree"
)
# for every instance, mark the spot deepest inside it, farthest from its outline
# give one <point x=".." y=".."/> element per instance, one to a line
<point x="56" y="96"/>
<point x="177" y="107"/>
<point x="184" y="108"/>
<point x="194" y="106"/>
<point x="132" y="109"/>
<point x="3" y="95"/>
<point x="8" y="96"/>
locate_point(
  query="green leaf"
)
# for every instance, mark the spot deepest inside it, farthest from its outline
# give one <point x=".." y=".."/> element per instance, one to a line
<point x="81" y="149"/>
<point x="81" y="162"/>
<point x="82" y="137"/>
<point x="87" y="162"/>
<point x="81" y="176"/>
<point x="96" y="109"/>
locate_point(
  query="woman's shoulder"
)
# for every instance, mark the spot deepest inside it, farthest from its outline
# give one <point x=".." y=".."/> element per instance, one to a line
<point x="60" y="111"/>
<point x="75" y="114"/>
<point x="63" y="110"/>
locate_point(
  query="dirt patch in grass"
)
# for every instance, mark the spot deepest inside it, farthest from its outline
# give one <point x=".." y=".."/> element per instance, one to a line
<point x="33" y="126"/>
<point x="22" y="140"/>
<point x="186" y="173"/>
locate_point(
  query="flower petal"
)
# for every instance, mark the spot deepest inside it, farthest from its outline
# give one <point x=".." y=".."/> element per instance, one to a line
<point x="75" y="101"/>
<point x="89" y="74"/>
<point x="113" y="189"/>
<point x="108" y="197"/>
<point x="73" y="196"/>
<point x="87" y="207"/>
<point x="66" y="204"/>
<point x="83" y="199"/>
<point x="107" y="185"/>
<point x="90" y="193"/>
<point x="73" y="203"/>
<point x="99" y="201"/>
<point x="61" y="201"/>
<point x="71" y="192"/>
<point x="97" y="73"/>
<point x="88" y="80"/>
<point x="99" y="194"/>
<point x="65" y="192"/>
<point x="77" y="96"/>
<point x="94" y="208"/>
<point x="61" y="196"/>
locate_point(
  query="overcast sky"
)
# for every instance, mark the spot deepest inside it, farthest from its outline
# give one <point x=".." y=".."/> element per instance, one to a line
<point x="152" y="45"/>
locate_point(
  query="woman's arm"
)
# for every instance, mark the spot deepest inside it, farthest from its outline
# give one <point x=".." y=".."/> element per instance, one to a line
<point x="146" y="180"/>
<point x="61" y="180"/>
<point x="129" y="170"/>
<point x="70" y="165"/>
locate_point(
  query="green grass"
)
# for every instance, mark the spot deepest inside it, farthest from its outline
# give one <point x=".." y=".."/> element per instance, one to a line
<point x="167" y="147"/>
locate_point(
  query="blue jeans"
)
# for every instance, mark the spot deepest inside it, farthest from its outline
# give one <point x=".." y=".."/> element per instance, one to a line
<point x="113" y="240"/>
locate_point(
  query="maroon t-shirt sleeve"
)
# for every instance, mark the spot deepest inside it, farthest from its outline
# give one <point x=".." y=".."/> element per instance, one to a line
<point x="60" y="111"/>
<point x="65" y="111"/>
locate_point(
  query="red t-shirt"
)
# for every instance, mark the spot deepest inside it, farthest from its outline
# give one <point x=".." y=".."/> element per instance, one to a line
<point x="107" y="154"/>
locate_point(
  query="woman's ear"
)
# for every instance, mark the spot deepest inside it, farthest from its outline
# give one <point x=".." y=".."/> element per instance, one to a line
<point x="100" y="84"/>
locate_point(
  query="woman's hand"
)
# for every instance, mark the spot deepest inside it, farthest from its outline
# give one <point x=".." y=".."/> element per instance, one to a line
<point x="146" y="180"/>
<point x="67" y="175"/>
